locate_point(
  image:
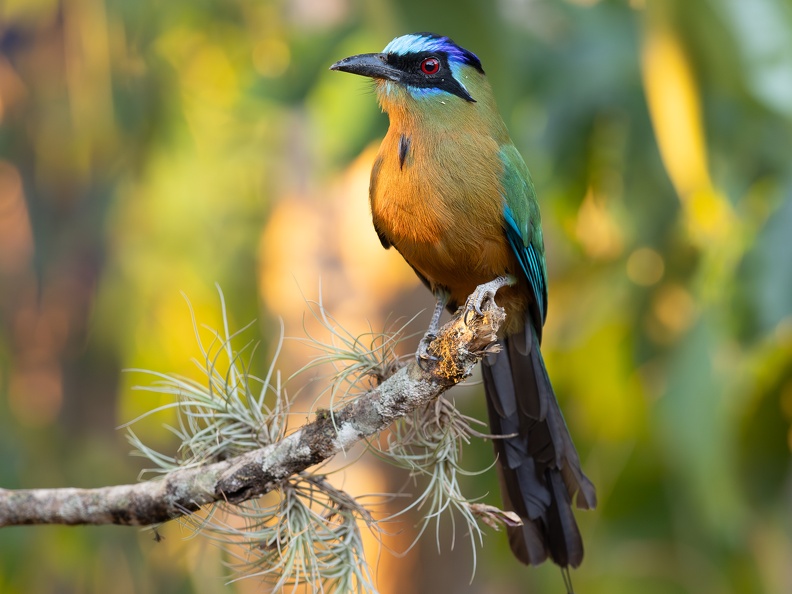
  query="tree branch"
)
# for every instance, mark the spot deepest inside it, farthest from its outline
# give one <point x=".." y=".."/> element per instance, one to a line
<point x="460" y="344"/>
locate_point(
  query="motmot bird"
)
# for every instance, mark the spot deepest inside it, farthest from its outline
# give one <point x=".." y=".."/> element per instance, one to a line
<point x="452" y="194"/>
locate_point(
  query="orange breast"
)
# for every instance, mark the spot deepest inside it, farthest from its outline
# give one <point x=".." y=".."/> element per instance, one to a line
<point x="442" y="209"/>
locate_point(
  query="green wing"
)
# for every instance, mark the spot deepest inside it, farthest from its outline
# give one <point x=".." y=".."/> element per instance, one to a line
<point x="523" y="225"/>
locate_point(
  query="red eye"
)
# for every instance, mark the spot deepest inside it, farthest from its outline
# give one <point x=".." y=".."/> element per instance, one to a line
<point x="430" y="66"/>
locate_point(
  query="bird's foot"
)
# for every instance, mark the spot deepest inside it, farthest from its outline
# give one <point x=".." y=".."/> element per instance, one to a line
<point x="422" y="355"/>
<point x="484" y="293"/>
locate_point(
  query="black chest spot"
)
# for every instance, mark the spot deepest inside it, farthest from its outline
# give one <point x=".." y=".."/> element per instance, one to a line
<point x="404" y="147"/>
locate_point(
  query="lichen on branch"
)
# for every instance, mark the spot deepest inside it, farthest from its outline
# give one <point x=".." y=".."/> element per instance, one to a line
<point x="461" y="344"/>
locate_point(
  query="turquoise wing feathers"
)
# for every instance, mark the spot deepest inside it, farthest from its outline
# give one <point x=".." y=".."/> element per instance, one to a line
<point x="523" y="224"/>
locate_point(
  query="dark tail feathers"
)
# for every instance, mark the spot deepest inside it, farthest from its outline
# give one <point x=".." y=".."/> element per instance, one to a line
<point x="539" y="467"/>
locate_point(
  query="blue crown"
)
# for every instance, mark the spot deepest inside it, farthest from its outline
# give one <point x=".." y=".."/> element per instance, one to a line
<point x="429" y="42"/>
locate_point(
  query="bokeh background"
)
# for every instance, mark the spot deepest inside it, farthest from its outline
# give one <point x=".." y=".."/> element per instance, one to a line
<point x="151" y="148"/>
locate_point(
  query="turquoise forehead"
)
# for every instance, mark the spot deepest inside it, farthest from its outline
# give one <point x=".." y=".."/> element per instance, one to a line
<point x="417" y="43"/>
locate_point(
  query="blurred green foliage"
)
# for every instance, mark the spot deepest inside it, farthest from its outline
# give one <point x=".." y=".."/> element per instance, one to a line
<point x="148" y="148"/>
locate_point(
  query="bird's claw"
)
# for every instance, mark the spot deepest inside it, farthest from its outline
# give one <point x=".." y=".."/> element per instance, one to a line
<point x="422" y="355"/>
<point x="477" y="299"/>
<point x="484" y="293"/>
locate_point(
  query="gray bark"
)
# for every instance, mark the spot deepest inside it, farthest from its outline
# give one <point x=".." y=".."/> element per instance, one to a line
<point x="460" y="344"/>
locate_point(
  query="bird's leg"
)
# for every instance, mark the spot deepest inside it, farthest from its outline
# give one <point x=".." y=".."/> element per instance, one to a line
<point x="431" y="333"/>
<point x="487" y="291"/>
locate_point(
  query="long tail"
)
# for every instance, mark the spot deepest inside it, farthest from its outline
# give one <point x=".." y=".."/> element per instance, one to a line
<point x="539" y="467"/>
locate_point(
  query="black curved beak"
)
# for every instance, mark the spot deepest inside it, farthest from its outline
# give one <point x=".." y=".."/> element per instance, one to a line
<point x="371" y="65"/>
